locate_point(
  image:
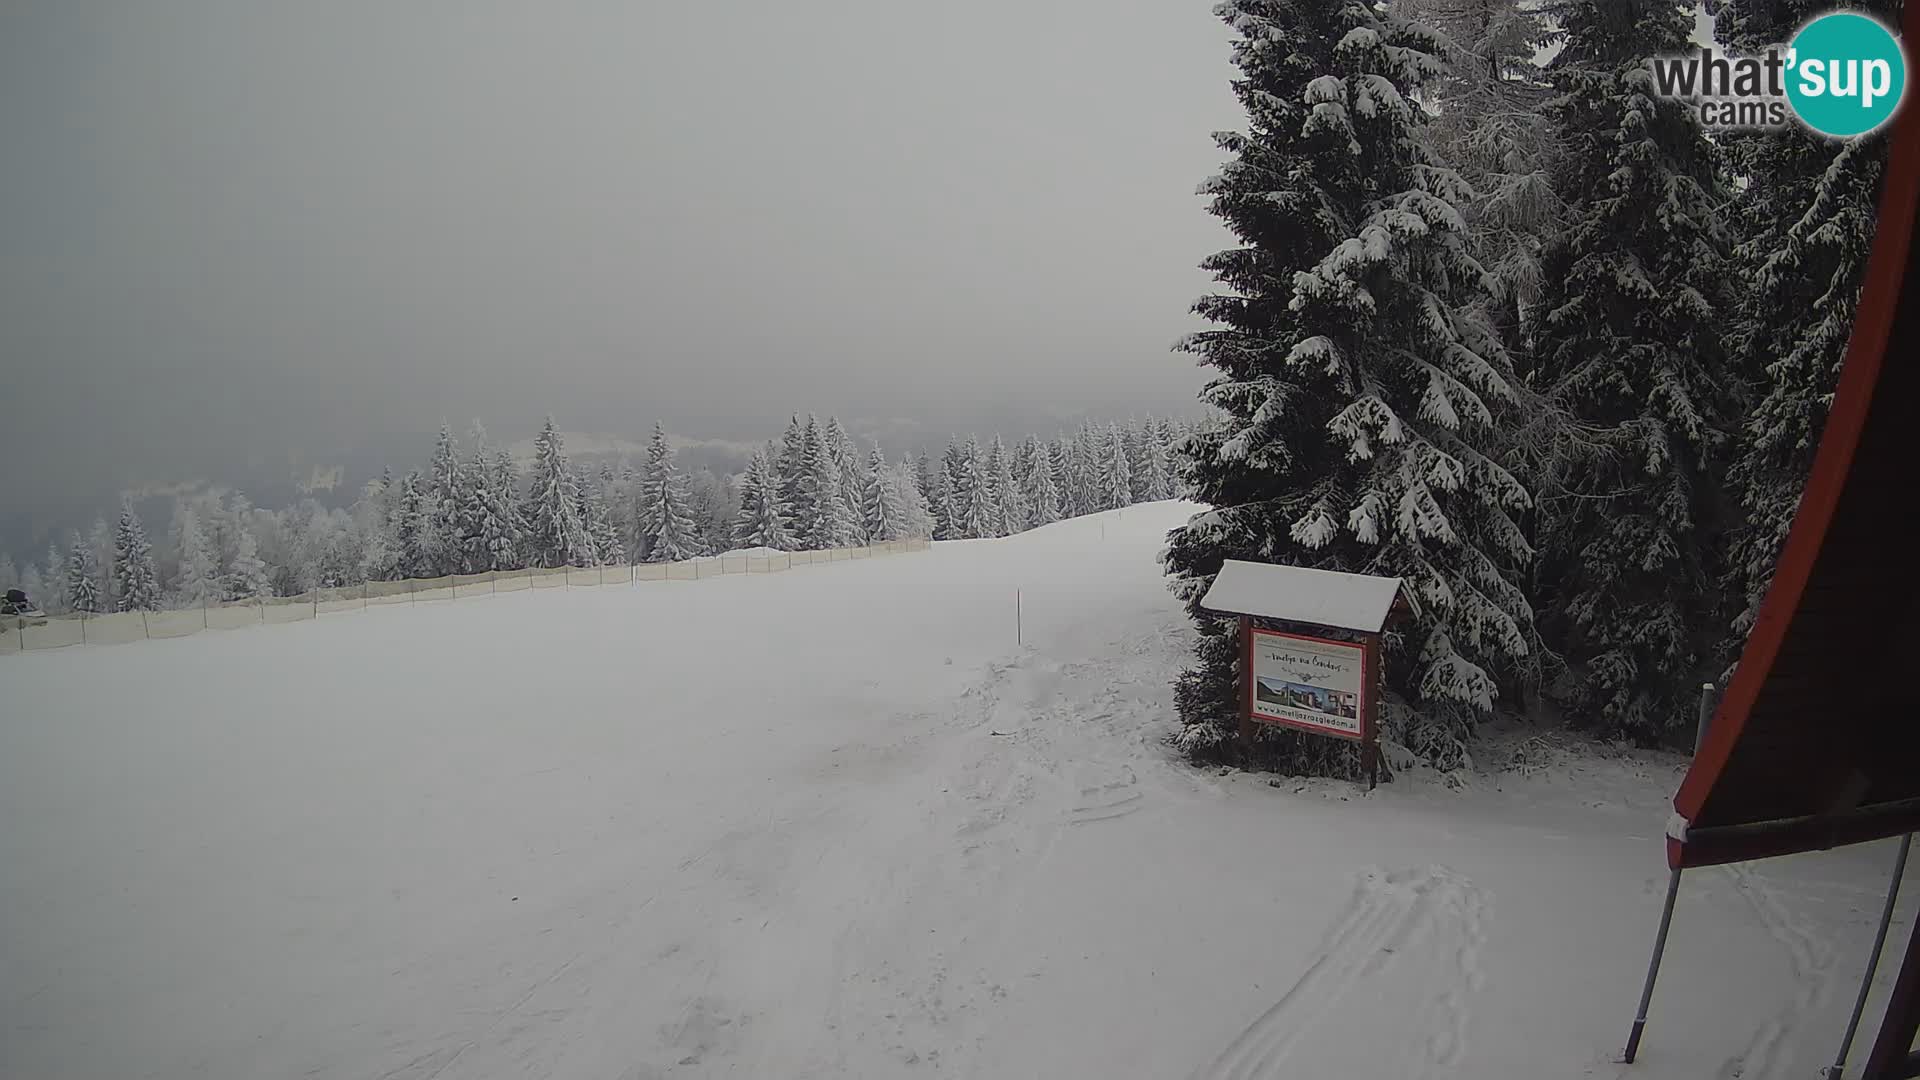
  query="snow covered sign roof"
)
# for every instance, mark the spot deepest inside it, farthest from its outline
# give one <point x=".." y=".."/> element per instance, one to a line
<point x="1297" y="594"/>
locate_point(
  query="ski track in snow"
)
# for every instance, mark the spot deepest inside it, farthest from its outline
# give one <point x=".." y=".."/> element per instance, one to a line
<point x="1034" y="748"/>
<point x="1766" y="1055"/>
<point x="1416" y="932"/>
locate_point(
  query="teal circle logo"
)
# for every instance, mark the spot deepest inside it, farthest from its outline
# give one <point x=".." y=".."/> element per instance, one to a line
<point x="1846" y="74"/>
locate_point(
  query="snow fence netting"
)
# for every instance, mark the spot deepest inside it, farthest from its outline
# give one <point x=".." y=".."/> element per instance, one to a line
<point x="342" y="598"/>
<point x="286" y="609"/>
<point x="165" y="624"/>
<point x="233" y="616"/>
<point x="53" y="634"/>
<point x="389" y="592"/>
<point x="117" y="628"/>
<point x="120" y="627"/>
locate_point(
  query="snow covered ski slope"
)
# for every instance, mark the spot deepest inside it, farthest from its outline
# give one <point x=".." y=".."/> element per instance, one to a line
<point x="834" y="823"/>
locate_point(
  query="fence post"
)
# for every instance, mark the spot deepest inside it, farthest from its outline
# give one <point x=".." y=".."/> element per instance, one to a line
<point x="203" y="613"/>
<point x="260" y="602"/>
<point x="144" y="631"/>
<point x="83" y="628"/>
<point x="363" y="595"/>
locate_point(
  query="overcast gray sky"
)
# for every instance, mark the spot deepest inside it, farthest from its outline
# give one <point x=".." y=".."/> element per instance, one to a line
<point x="231" y="229"/>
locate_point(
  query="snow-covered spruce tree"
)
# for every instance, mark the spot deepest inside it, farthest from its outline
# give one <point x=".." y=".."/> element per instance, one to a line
<point x="83" y="588"/>
<point x="1629" y="344"/>
<point x="940" y="504"/>
<point x="1089" y="471"/>
<point x="974" y="513"/>
<point x="492" y="541"/>
<point x="714" y="502"/>
<point x="324" y="553"/>
<point x="1134" y="435"/>
<point x="412" y="540"/>
<point x="1023" y="466"/>
<point x="1116" y="480"/>
<point x="555" y="534"/>
<point x="916" y="514"/>
<point x="954" y="463"/>
<point x="791" y="468"/>
<point x="247" y="579"/>
<point x="373" y="518"/>
<point x="1359" y="401"/>
<point x="1060" y="456"/>
<point x="608" y="549"/>
<point x="801" y="465"/>
<point x="505" y="477"/>
<point x="452" y="483"/>
<point x="1067" y="465"/>
<point x="1006" y="511"/>
<point x="136" y="586"/>
<point x="666" y="524"/>
<point x="1808" y="211"/>
<point x="1489" y="118"/>
<point x="881" y="515"/>
<point x="489" y="539"/>
<point x="761" y="524"/>
<point x="923" y="468"/>
<point x="196" y="582"/>
<point x="825" y="483"/>
<point x="1152" y="480"/>
<point x="446" y="496"/>
<point x="1042" y="495"/>
<point x="846" y="457"/>
<point x="1174" y="437"/>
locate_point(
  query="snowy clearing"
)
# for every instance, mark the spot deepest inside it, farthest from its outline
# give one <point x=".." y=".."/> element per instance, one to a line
<point x="836" y="823"/>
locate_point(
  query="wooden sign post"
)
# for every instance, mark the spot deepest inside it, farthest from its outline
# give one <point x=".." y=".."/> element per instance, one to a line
<point x="1309" y="649"/>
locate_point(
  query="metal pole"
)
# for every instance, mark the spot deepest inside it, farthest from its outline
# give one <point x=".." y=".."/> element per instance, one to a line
<point x="1839" y="1065"/>
<point x="1653" y="968"/>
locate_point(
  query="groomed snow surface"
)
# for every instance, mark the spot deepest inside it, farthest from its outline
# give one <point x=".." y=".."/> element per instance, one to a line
<point x="836" y="823"/>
